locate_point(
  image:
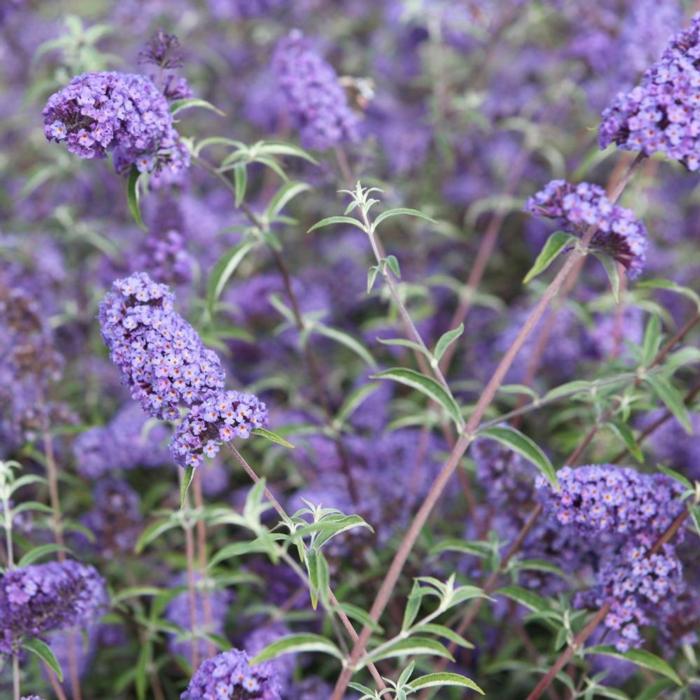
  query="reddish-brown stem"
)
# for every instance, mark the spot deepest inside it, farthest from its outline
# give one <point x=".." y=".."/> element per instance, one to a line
<point x="579" y="640"/>
<point x="201" y="529"/>
<point x="191" y="581"/>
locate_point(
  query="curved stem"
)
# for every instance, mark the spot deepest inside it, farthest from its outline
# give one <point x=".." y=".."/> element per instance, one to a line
<point x="201" y="528"/>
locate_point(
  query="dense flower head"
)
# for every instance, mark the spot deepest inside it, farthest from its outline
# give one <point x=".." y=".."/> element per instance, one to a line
<point x="218" y="419"/>
<point x="502" y="472"/>
<point x="607" y="500"/>
<point x="578" y="207"/>
<point x="314" y="96"/>
<point x="126" y="442"/>
<point x="662" y="113"/>
<point x="39" y="598"/>
<point x="120" y="113"/>
<point x="229" y="675"/>
<point x="161" y="357"/>
<point x="640" y="587"/>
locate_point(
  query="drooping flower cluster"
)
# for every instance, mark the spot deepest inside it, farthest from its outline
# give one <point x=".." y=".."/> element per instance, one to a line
<point x="662" y="114"/>
<point x="604" y="499"/>
<point x="178" y="612"/>
<point x="577" y="207"/>
<point x="119" y="113"/>
<point x="641" y="587"/>
<point x="218" y="419"/>
<point x="126" y="442"/>
<point x="40" y="598"/>
<point x="314" y="96"/>
<point x="229" y="675"/>
<point x="160" y="355"/>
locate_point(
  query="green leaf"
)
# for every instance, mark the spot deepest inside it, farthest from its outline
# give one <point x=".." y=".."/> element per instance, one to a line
<point x="297" y="643"/>
<point x="133" y="196"/>
<point x="240" y="182"/>
<point x="285" y="149"/>
<point x="39" y="552"/>
<point x="152" y="532"/>
<point x="524" y="446"/>
<point x="677" y="476"/>
<point x="392" y="263"/>
<point x="446" y="632"/>
<point x="641" y="657"/>
<point x="135" y="592"/>
<point x="404" y="343"/>
<point x="239" y="549"/>
<point x="426" y="386"/>
<point x="355" y="612"/>
<point x="332" y="220"/>
<point x="352" y="402"/>
<point x="550" y="251"/>
<point x="401" y="211"/>
<point x="177" y="106"/>
<point x="224" y="269"/>
<point x="43" y="651"/>
<point x="612" y="269"/>
<point x="187" y="478"/>
<point x="272" y="437"/>
<point x="671" y="287"/>
<point x="372" y="277"/>
<point x="672" y="398"/>
<point x="412" y="606"/>
<point x="625" y="434"/>
<point x="652" y="340"/>
<point x="436" y="680"/>
<point x="413" y="646"/>
<point x="473" y="548"/>
<point x="446" y="339"/>
<point x="529" y="599"/>
<point x="345" y="339"/>
<point x="283" y="196"/>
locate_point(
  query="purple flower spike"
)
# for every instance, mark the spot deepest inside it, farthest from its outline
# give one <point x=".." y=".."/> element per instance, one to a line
<point x="161" y="357"/>
<point x="662" y="114"/>
<point x="229" y="675"/>
<point x="218" y="419"/>
<point x="577" y="207"/>
<point x="314" y="97"/>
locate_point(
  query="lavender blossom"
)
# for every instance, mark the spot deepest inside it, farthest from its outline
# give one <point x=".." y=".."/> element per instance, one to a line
<point x="40" y="598"/>
<point x="608" y="501"/>
<point x="119" y="113"/>
<point x="262" y="637"/>
<point x="314" y="96"/>
<point x="577" y="207"/>
<point x="166" y="259"/>
<point x="662" y="113"/>
<point x="218" y="419"/>
<point x="229" y="675"/>
<point x="161" y="357"/>
<point x="640" y="587"/>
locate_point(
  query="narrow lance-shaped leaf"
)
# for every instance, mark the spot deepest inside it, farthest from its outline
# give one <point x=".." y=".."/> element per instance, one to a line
<point x="224" y="269"/>
<point x="43" y="651"/>
<point x="525" y="446"/>
<point x="272" y="437"/>
<point x="177" y="106"/>
<point x="555" y="244"/>
<point x="187" y="478"/>
<point x="331" y="220"/>
<point x="426" y="386"/>
<point x="240" y="182"/>
<point x="437" y="680"/>
<point x="297" y="643"/>
<point x="641" y="657"/>
<point x="401" y="211"/>
<point x="446" y="339"/>
<point x="672" y="398"/>
<point x="347" y="340"/>
<point x="413" y="646"/>
<point x="133" y="196"/>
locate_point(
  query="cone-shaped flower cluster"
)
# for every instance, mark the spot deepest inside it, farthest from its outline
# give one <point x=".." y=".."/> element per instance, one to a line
<point x="119" y="113"/>
<point x="662" y="114"/>
<point x="40" y="598"/>
<point x="167" y="367"/>
<point x="314" y="97"/>
<point x="229" y="675"/>
<point x="577" y="207"/>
